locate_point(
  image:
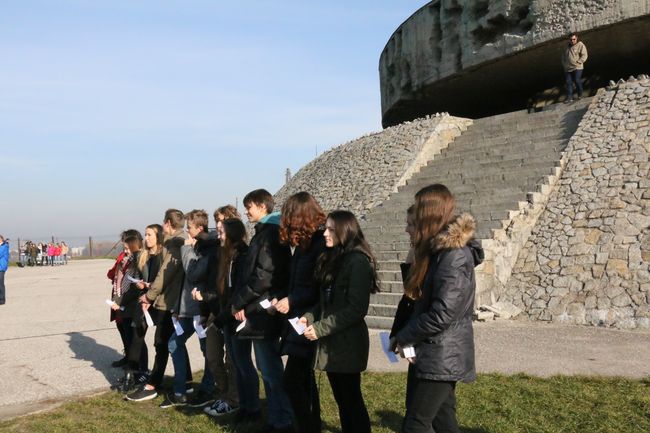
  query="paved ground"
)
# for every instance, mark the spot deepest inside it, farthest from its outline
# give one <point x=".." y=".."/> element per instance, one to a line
<point x="56" y="342"/>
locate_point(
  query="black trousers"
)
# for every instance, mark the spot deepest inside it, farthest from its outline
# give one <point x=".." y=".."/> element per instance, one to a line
<point x="137" y="353"/>
<point x="346" y="388"/>
<point x="430" y="406"/>
<point x="299" y="383"/>
<point x="164" y="330"/>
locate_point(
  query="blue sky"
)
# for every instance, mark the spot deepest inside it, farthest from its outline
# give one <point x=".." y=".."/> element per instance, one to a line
<point x="113" y="111"/>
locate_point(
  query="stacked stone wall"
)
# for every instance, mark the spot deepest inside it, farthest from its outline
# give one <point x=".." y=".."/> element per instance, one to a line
<point x="361" y="174"/>
<point x="588" y="258"/>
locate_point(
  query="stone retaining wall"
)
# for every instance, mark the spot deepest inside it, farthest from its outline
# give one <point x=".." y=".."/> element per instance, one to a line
<point x="588" y="258"/>
<point x="361" y="174"/>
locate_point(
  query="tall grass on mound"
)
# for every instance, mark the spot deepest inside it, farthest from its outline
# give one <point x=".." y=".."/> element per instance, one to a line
<point x="493" y="404"/>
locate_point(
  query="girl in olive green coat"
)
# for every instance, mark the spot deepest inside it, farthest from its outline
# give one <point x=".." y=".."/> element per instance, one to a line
<point x="346" y="275"/>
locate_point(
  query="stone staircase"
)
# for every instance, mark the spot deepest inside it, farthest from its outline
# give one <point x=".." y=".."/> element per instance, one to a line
<point x="490" y="169"/>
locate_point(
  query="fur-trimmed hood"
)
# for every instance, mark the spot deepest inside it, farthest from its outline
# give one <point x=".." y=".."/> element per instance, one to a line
<point x="458" y="234"/>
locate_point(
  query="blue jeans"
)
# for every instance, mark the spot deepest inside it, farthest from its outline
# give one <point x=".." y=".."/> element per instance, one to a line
<point x="248" y="384"/>
<point x="269" y="363"/>
<point x="571" y="77"/>
<point x="178" y="352"/>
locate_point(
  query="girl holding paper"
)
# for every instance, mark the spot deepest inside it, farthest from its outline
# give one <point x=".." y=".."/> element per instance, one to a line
<point x="346" y="276"/>
<point x="302" y="228"/>
<point x="125" y="296"/>
<point x="442" y="284"/>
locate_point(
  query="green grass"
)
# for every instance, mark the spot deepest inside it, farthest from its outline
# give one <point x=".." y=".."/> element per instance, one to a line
<point x="493" y="404"/>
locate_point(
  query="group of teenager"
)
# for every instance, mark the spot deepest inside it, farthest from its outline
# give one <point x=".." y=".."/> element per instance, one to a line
<point x="51" y="254"/>
<point x="300" y="287"/>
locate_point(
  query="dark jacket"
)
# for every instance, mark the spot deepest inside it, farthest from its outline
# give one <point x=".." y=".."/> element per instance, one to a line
<point x="129" y="299"/>
<point x="302" y="294"/>
<point x="201" y="271"/>
<point x="236" y="277"/>
<point x="266" y="275"/>
<point x="343" y="342"/>
<point x="441" y="325"/>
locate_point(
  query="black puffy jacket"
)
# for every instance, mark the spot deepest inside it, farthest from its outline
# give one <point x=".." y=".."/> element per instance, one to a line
<point x="303" y="295"/>
<point x="440" y="326"/>
<point x="266" y="274"/>
<point x="202" y="271"/>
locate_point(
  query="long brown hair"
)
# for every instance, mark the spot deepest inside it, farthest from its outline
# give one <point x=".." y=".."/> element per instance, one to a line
<point x="434" y="210"/>
<point x="350" y="238"/>
<point x="301" y="217"/>
<point x="234" y="241"/>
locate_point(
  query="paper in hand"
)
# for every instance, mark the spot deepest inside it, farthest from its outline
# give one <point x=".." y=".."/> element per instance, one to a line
<point x="241" y="326"/>
<point x="177" y="326"/>
<point x="409" y="351"/>
<point x="266" y="304"/>
<point x="148" y="319"/>
<point x="200" y="330"/>
<point x="110" y="304"/>
<point x="133" y="280"/>
<point x="385" y="345"/>
<point x="299" y="327"/>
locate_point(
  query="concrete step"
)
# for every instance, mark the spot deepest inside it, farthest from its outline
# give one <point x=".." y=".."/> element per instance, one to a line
<point x="382" y="310"/>
<point x="377" y="322"/>
<point x="385" y="298"/>
<point x="391" y="287"/>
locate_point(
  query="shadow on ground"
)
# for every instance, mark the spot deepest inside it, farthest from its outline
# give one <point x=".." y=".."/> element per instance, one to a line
<point x="100" y="356"/>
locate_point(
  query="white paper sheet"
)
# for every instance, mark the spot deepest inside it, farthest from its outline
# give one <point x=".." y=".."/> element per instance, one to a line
<point x="177" y="326"/>
<point x="110" y="304"/>
<point x="299" y="327"/>
<point x="266" y="304"/>
<point x="133" y="280"/>
<point x="148" y="319"/>
<point x="409" y="351"/>
<point x="200" y="330"/>
<point x="241" y="326"/>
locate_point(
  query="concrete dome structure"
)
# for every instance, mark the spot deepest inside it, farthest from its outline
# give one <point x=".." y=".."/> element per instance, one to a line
<point x="475" y="58"/>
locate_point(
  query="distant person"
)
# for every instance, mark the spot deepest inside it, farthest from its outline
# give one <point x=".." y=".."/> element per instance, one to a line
<point x="573" y="60"/>
<point x="163" y="295"/>
<point x="64" y="252"/>
<point x="301" y="228"/>
<point x="267" y="273"/>
<point x="346" y="276"/>
<point x="51" y="250"/>
<point x="33" y="254"/>
<point x="4" y="264"/>
<point x="442" y="283"/>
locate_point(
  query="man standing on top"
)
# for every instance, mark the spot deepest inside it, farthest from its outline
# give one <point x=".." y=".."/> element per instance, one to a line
<point x="573" y="60"/>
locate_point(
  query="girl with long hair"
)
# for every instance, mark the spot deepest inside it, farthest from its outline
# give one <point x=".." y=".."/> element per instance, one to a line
<point x="239" y="387"/>
<point x="346" y="276"/>
<point x="302" y="227"/>
<point x="147" y="262"/>
<point x="442" y="284"/>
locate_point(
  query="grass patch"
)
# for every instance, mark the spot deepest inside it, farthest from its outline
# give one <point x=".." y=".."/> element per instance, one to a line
<point x="493" y="404"/>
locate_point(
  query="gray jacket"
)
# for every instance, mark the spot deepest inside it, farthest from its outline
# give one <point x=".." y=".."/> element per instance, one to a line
<point x="188" y="307"/>
<point x="440" y="326"/>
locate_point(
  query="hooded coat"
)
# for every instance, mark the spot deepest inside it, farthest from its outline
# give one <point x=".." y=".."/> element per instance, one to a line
<point x="440" y="327"/>
<point x="265" y="276"/>
<point x="200" y="266"/>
